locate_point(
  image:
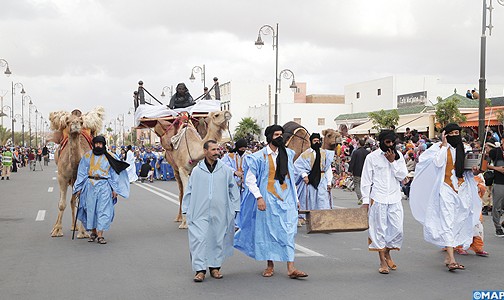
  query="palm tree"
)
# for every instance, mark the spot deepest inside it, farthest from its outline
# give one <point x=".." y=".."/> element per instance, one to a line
<point x="5" y="135"/>
<point x="247" y="129"/>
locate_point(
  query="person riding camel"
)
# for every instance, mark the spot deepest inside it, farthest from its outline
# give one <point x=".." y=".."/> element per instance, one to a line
<point x="182" y="98"/>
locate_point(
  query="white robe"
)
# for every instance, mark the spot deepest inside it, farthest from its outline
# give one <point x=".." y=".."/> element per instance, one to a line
<point x="130" y="159"/>
<point x="448" y="217"/>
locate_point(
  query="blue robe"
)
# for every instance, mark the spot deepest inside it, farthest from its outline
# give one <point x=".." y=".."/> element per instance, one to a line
<point x="96" y="206"/>
<point x="309" y="197"/>
<point x="210" y="202"/>
<point x="269" y="234"/>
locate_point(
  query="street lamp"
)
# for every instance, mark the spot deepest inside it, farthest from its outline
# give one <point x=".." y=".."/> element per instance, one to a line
<point x="287" y="74"/>
<point x="482" y="79"/>
<point x="2" y="114"/>
<point x="170" y="88"/>
<point x="30" y="106"/>
<point x="131" y="112"/>
<point x="14" y="86"/>
<point x="267" y="29"/>
<point x="22" y="117"/>
<point x="36" y="133"/>
<point x="198" y="69"/>
<point x="3" y="63"/>
<point x="120" y="119"/>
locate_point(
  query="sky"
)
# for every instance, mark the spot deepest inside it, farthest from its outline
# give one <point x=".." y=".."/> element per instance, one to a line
<point x="72" y="54"/>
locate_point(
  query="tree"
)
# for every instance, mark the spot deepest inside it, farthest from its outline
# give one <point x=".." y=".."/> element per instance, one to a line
<point x="5" y="135"/>
<point x="382" y="119"/>
<point x="247" y="129"/>
<point x="447" y="112"/>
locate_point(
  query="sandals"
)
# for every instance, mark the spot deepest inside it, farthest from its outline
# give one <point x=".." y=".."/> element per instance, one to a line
<point x="101" y="240"/>
<point x="391" y="264"/>
<point x="268" y="272"/>
<point x="482" y="253"/>
<point x="92" y="237"/>
<point x="461" y="251"/>
<point x="200" y="276"/>
<point x="455" y="266"/>
<point x="297" y="274"/>
<point x="216" y="274"/>
<point x="383" y="270"/>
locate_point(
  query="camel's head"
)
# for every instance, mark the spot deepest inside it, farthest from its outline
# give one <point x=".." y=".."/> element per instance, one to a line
<point x="74" y="123"/>
<point x="220" y="118"/>
<point x="330" y="136"/>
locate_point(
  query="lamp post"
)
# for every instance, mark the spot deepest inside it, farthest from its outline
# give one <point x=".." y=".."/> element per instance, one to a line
<point x="198" y="69"/>
<point x="268" y="29"/>
<point x="14" y="86"/>
<point x="4" y="63"/>
<point x="287" y="74"/>
<point x="482" y="79"/>
<point x="22" y="117"/>
<point x="131" y="112"/>
<point x="120" y="119"/>
<point x="30" y="105"/>
<point x="36" y="136"/>
<point x="170" y="88"/>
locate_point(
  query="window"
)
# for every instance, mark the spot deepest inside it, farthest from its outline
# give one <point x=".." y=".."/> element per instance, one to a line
<point x="379" y="92"/>
<point x="358" y="95"/>
<point x="321" y="121"/>
<point x="297" y="120"/>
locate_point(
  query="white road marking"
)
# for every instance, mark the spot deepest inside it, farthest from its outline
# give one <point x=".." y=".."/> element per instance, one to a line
<point x="174" y="201"/>
<point x="50" y="189"/>
<point x="54" y="178"/>
<point x="306" y="252"/>
<point x="40" y="215"/>
<point x="173" y="198"/>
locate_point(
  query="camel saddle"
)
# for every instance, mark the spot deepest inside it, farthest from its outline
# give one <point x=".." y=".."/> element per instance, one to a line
<point x="336" y="220"/>
<point x="290" y="130"/>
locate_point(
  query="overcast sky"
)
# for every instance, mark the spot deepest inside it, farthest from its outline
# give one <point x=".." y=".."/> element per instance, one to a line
<point x="82" y="53"/>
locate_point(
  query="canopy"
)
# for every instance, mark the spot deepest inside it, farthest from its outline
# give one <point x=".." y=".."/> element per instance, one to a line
<point x="490" y="117"/>
<point x="416" y="121"/>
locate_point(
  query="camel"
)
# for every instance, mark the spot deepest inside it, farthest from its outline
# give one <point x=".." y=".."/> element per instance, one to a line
<point x="74" y="132"/>
<point x="330" y="136"/>
<point x="296" y="137"/>
<point x="190" y="147"/>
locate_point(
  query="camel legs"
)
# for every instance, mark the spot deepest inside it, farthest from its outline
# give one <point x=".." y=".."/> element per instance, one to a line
<point x="57" y="230"/>
<point x="184" y="176"/>
<point x="181" y="194"/>
<point x="82" y="232"/>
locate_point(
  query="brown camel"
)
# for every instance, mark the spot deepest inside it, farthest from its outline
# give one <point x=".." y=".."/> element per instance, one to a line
<point x="330" y="136"/>
<point x="189" y="150"/>
<point x="74" y="133"/>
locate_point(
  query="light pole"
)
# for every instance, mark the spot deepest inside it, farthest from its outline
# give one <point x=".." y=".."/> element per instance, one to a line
<point x="30" y="105"/>
<point x="22" y="117"/>
<point x="131" y="112"/>
<point x="268" y="29"/>
<point x="287" y="74"/>
<point x="482" y="79"/>
<point x="14" y="86"/>
<point x="4" y="63"/>
<point x="120" y="119"/>
<point x="170" y="88"/>
<point x="36" y="133"/>
<point x="197" y="69"/>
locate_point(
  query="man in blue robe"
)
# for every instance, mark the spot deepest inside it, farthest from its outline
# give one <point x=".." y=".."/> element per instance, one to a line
<point x="210" y="202"/>
<point x="314" y="175"/>
<point x="268" y="214"/>
<point x="100" y="178"/>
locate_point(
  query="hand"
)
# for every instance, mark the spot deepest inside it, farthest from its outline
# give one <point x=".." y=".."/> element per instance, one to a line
<point x="114" y="194"/>
<point x="499" y="169"/>
<point x="238" y="173"/>
<point x="261" y="205"/>
<point x="444" y="142"/>
<point x="390" y="155"/>
<point x="365" y="206"/>
<point x="329" y="187"/>
<point x="306" y="180"/>
<point x="476" y="170"/>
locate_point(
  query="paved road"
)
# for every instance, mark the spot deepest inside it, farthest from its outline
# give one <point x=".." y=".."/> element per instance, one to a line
<point x="147" y="256"/>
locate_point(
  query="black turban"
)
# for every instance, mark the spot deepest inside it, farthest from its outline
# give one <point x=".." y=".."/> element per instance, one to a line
<point x="99" y="139"/>
<point x="270" y="130"/>
<point x="240" y="143"/>
<point x="387" y="134"/>
<point x="314" y="136"/>
<point x="451" y="127"/>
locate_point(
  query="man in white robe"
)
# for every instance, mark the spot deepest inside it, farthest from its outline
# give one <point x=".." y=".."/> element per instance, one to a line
<point x="210" y="203"/>
<point x="444" y="197"/>
<point x="382" y="173"/>
<point x="130" y="159"/>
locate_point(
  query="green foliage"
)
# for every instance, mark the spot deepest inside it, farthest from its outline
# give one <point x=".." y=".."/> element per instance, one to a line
<point x="5" y="135"/>
<point x="247" y="129"/>
<point x="447" y="112"/>
<point x="382" y="119"/>
<point x="499" y="115"/>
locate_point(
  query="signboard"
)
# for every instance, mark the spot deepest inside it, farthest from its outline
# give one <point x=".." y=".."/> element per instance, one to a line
<point x="413" y="99"/>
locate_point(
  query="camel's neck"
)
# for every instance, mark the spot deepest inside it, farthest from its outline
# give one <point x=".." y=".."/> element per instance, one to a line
<point x="75" y="147"/>
<point x="214" y="133"/>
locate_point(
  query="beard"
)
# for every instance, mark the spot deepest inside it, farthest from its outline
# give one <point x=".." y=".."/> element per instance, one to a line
<point x="278" y="142"/>
<point x="315" y="146"/>
<point x="386" y="148"/>
<point x="98" y="150"/>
